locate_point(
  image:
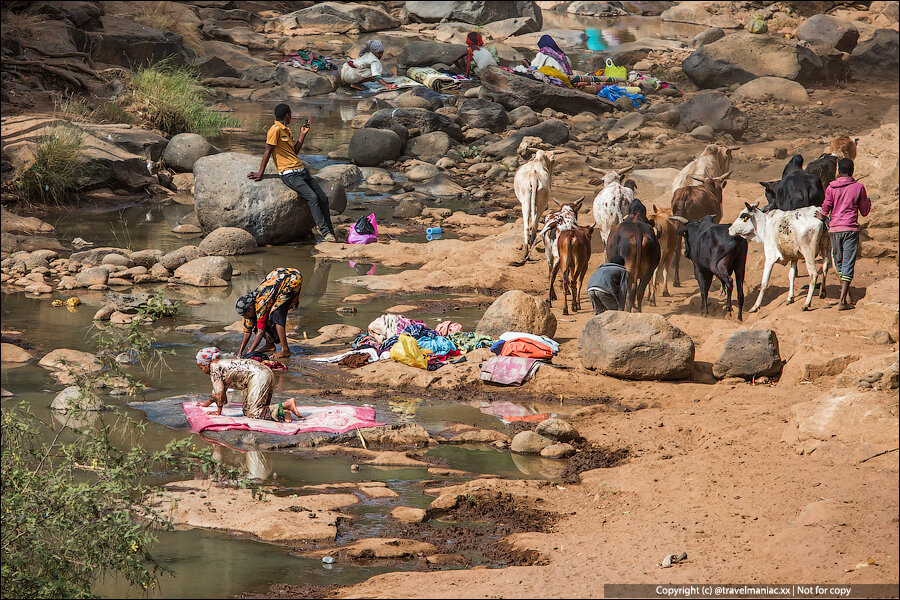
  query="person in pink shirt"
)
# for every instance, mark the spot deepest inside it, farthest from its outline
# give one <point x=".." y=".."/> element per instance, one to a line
<point x="845" y="200"/>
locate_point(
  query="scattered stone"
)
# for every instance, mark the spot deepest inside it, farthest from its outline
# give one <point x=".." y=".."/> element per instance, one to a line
<point x="517" y="311"/>
<point x="778" y="88"/>
<point x="146" y="258"/>
<point x="63" y="359"/>
<point x="370" y="147"/>
<point x="75" y="398"/>
<point x="120" y="318"/>
<point x="422" y="171"/>
<point x="709" y="36"/>
<point x="880" y="336"/>
<point x="636" y="346"/>
<point x="10" y="353"/>
<point x="826" y="30"/>
<point x="429" y="145"/>
<point x="558" y="451"/>
<point x="715" y="110"/>
<point x="208" y="271"/>
<point x="483" y="114"/>
<point x="407" y="514"/>
<point x="407" y="209"/>
<point x="529" y="442"/>
<point x="93" y="276"/>
<point x="175" y="259"/>
<point x="184" y="149"/>
<point x="228" y="241"/>
<point x="624" y="126"/>
<point x="703" y="132"/>
<point x="557" y="429"/>
<point x="104" y="313"/>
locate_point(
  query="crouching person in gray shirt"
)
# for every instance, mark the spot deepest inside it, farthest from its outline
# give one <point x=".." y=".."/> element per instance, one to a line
<point x="608" y="286"/>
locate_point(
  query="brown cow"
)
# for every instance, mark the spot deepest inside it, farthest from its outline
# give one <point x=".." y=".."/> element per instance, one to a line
<point x="574" y="254"/>
<point x="695" y="202"/>
<point x="634" y="240"/>
<point x="843" y="147"/>
<point x="667" y="234"/>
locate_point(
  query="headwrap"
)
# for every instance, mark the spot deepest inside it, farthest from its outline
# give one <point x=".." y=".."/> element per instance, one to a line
<point x="548" y="46"/>
<point x="207" y="355"/>
<point x="245" y="303"/>
<point x="473" y="41"/>
<point x="373" y="46"/>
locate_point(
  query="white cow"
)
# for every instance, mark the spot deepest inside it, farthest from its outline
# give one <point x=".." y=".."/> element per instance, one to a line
<point x="714" y="161"/>
<point x="532" y="187"/>
<point x="787" y="236"/>
<point x="611" y="204"/>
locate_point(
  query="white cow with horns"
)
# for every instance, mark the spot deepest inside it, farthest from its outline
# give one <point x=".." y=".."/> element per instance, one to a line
<point x="787" y="236"/>
<point x="532" y="187"/>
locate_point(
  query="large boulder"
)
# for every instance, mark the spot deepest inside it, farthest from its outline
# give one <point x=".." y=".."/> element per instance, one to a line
<point x="482" y="114"/>
<point x="346" y="175"/>
<point x="338" y="17"/>
<point x="740" y="57"/>
<point x="749" y="353"/>
<point x="429" y="145"/>
<point x="12" y="223"/>
<point x="126" y="44"/>
<point x="826" y="30"/>
<point x="207" y="271"/>
<point x="766" y="88"/>
<point x="184" y="150"/>
<point x="517" y="311"/>
<point x="715" y="110"/>
<point x="228" y="241"/>
<point x="877" y="57"/>
<point x="268" y="209"/>
<point x="552" y="131"/>
<point x="214" y="66"/>
<point x="513" y="91"/>
<point x="369" y="147"/>
<point x="424" y="120"/>
<point x="304" y="82"/>
<point x="636" y="346"/>
<point x="475" y="13"/>
<point x="629" y="53"/>
<point x="500" y="30"/>
<point x="424" y="54"/>
<point x="237" y="57"/>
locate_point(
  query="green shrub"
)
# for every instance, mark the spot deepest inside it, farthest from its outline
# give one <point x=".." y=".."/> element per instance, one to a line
<point x="57" y="165"/>
<point x="173" y="100"/>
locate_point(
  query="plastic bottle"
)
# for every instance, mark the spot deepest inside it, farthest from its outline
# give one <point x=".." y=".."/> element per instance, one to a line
<point x="328" y="560"/>
<point x="432" y="236"/>
<point x="434" y="230"/>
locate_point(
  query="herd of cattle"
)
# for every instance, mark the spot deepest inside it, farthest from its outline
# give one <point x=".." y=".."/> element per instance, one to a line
<point x="651" y="244"/>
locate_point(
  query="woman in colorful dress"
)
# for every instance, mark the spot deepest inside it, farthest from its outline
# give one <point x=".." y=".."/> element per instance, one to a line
<point x="266" y="308"/>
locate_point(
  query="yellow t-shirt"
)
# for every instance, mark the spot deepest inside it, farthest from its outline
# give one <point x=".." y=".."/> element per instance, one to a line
<point x="281" y="137"/>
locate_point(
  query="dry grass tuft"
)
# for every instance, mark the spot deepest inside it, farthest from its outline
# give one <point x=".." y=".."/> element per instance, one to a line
<point x="161" y="16"/>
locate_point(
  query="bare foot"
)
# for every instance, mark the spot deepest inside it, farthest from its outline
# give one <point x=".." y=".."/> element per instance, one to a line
<point x="356" y="86"/>
<point x="282" y="354"/>
<point x="268" y="348"/>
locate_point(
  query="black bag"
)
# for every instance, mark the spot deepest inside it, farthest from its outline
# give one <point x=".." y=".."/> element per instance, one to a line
<point x="364" y="226"/>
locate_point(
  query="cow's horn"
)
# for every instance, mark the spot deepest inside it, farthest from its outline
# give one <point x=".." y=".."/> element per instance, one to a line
<point x="678" y="218"/>
<point x="747" y="204"/>
<point x="697" y="179"/>
<point x="725" y="176"/>
<point x="596" y="169"/>
<point x="557" y="202"/>
<point x="625" y="170"/>
<point x="733" y="148"/>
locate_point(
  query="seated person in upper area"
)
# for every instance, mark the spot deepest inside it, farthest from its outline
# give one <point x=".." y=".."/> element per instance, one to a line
<point x="280" y="142"/>
<point x="257" y="381"/>
<point x="608" y="286"/>
<point x="476" y="57"/>
<point x="367" y="67"/>
<point x="266" y="308"/>
<point x="550" y="55"/>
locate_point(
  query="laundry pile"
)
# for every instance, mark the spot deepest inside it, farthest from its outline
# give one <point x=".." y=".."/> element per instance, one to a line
<point x="432" y="78"/>
<point x="309" y="60"/>
<point x="395" y="337"/>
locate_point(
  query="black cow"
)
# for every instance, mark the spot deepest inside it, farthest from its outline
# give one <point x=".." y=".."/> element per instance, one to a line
<point x="797" y="188"/>
<point x="825" y="168"/>
<point x="634" y="239"/>
<point x="714" y="252"/>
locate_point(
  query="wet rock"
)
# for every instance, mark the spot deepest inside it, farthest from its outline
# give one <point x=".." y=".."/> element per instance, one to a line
<point x="429" y="145"/>
<point x="146" y="258"/>
<point x="422" y="171"/>
<point x="877" y="57"/>
<point x="303" y="82"/>
<point x="159" y="272"/>
<point x="120" y="318"/>
<point x="517" y="311"/>
<point x="513" y="91"/>
<point x="408" y="514"/>
<point x="709" y="36"/>
<point x="184" y="150"/>
<point x="12" y="223"/>
<point x="826" y="30"/>
<point x="482" y="114"/>
<point x="558" y="451"/>
<point x="475" y="13"/>
<point x="267" y="209"/>
<point x="479" y="436"/>
<point x="749" y="353"/>
<point x="715" y="110"/>
<point x="117" y="260"/>
<point x="104" y="313"/>
<point x="176" y="258"/>
<point x="187" y="229"/>
<point x="766" y="88"/>
<point x="10" y="353"/>
<point x="75" y="398"/>
<point x="93" y="276"/>
<point x="529" y="442"/>
<point x="387" y="548"/>
<point x="208" y="271"/>
<point x="425" y="121"/>
<point x="407" y="209"/>
<point x="379" y="179"/>
<point x="339" y="17"/>
<point x="447" y="501"/>
<point x="183" y="182"/>
<point x="65" y="359"/>
<point x="636" y="346"/>
<point x="125" y="43"/>
<point x="740" y="57"/>
<point x="370" y="147"/>
<point x="228" y="241"/>
<point x="558" y="430"/>
<point x="347" y="175"/>
<point x="552" y="132"/>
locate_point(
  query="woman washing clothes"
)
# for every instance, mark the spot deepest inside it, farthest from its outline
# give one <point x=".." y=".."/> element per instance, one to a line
<point x="476" y="56"/>
<point x="367" y="67"/>
<point x="255" y="379"/>
<point x="265" y="309"/>
<point x="552" y="61"/>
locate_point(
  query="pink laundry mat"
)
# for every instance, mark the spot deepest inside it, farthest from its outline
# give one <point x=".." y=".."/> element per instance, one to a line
<point x="329" y="419"/>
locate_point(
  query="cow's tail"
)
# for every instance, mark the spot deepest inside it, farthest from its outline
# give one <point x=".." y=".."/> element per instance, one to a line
<point x="532" y="202"/>
<point x="639" y="239"/>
